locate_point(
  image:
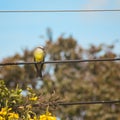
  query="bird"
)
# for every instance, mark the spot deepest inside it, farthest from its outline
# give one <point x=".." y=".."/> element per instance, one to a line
<point x="39" y="56"/>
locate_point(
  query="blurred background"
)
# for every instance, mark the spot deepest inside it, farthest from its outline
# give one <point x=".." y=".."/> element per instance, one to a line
<point x="80" y="35"/>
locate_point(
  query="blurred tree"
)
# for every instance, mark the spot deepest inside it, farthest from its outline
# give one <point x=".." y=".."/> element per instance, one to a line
<point x="92" y="81"/>
<point x="73" y="82"/>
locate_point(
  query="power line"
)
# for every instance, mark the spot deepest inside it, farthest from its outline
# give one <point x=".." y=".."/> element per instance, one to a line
<point x="61" y="61"/>
<point x="78" y="103"/>
<point x="87" y="60"/>
<point x="90" y="102"/>
<point x="52" y="11"/>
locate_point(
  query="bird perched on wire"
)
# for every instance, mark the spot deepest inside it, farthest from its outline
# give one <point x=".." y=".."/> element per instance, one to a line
<point x="39" y="55"/>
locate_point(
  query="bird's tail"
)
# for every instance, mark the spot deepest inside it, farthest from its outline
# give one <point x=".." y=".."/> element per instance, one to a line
<point x="39" y="70"/>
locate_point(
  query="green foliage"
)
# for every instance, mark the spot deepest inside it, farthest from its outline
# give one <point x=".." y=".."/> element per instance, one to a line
<point x="9" y="97"/>
<point x="14" y="106"/>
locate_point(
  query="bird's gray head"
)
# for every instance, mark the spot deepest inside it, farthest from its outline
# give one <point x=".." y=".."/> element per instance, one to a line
<point x="41" y="47"/>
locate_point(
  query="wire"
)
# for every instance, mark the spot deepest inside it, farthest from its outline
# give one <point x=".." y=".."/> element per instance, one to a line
<point x="61" y="61"/>
<point x="38" y="11"/>
<point x="90" y="102"/>
<point x="78" y="103"/>
<point x="87" y="60"/>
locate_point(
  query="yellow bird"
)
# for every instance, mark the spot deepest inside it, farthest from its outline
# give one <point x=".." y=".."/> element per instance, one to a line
<point x="39" y="55"/>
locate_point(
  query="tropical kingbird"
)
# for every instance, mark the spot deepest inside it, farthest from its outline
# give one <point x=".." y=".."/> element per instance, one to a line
<point x="39" y="55"/>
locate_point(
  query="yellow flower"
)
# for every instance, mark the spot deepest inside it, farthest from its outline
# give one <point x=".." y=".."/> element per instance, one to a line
<point x="33" y="98"/>
<point x="6" y="114"/>
<point x="3" y="112"/>
<point x="47" y="116"/>
<point x="2" y="118"/>
<point x="13" y="116"/>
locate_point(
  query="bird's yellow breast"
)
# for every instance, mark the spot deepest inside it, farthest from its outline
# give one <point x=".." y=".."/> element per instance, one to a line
<point x="39" y="55"/>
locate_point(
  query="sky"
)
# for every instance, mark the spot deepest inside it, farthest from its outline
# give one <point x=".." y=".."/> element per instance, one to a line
<point x="23" y="30"/>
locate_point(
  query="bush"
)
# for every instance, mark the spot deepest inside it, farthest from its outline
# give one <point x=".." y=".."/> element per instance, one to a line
<point x="15" y="106"/>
